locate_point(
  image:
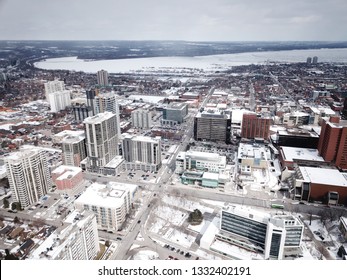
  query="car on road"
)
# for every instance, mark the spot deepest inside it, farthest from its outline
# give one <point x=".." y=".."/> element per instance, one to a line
<point x="119" y="238"/>
<point x="139" y="221"/>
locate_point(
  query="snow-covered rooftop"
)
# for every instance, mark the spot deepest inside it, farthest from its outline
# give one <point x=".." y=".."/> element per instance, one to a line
<point x="324" y="176"/>
<point x="291" y="153"/>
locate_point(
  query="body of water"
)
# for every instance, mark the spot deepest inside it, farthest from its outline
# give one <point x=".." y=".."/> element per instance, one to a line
<point x="212" y="62"/>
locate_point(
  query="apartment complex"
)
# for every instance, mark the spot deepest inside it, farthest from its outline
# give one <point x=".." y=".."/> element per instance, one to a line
<point x="57" y="96"/>
<point x="102" y="78"/>
<point x="73" y="146"/>
<point x="28" y="176"/>
<point x="77" y="239"/>
<point x="142" y="152"/>
<point x="212" y="126"/>
<point x="101" y="140"/>
<point x="141" y="118"/>
<point x="255" y="126"/>
<point x="104" y="102"/>
<point x="110" y="203"/>
<point x="332" y="145"/>
<point x="260" y="232"/>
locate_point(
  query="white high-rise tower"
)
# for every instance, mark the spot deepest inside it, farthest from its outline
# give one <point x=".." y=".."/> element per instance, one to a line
<point x="28" y="176"/>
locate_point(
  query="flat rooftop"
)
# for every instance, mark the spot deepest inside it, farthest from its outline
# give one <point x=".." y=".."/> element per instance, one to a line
<point x="291" y="153"/>
<point x="99" y="118"/>
<point x="324" y="176"/>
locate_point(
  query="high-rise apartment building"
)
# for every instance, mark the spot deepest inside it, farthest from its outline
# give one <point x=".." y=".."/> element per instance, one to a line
<point x="53" y="86"/>
<point x="332" y="145"/>
<point x="142" y="152"/>
<point x="102" y="78"/>
<point x="141" y="118"/>
<point x="28" y="176"/>
<point x="77" y="239"/>
<point x="57" y="96"/>
<point x="80" y="109"/>
<point x="73" y="147"/>
<point x="104" y="102"/>
<point x="212" y="126"/>
<point x="101" y="140"/>
<point x="255" y="126"/>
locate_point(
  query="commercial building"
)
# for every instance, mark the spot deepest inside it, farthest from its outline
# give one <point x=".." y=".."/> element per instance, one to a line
<point x="332" y="144"/>
<point x="110" y="203"/>
<point x="77" y="239"/>
<point x="102" y="140"/>
<point x="174" y="113"/>
<point x="68" y="179"/>
<point x="73" y="145"/>
<point x="255" y="126"/>
<point x="141" y="118"/>
<point x="260" y="232"/>
<point x="289" y="155"/>
<point x="141" y="152"/>
<point x="296" y="119"/>
<point x="102" y="78"/>
<point x="206" y="169"/>
<point x="320" y="184"/>
<point x="81" y="110"/>
<point x="294" y="137"/>
<point x="28" y="176"/>
<point x="212" y="126"/>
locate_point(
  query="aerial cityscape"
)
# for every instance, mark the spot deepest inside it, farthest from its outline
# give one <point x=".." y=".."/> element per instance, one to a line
<point x="171" y="148"/>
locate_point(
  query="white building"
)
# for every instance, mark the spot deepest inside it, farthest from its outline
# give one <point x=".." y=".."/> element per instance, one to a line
<point x="142" y="152"/>
<point x="102" y="78"/>
<point x="141" y="118"/>
<point x="260" y="232"/>
<point x="77" y="239"/>
<point x="28" y="176"/>
<point x="111" y="203"/>
<point x="296" y="119"/>
<point x="254" y="155"/>
<point x="57" y="96"/>
<point x="193" y="160"/>
<point x="102" y="140"/>
<point x="53" y="86"/>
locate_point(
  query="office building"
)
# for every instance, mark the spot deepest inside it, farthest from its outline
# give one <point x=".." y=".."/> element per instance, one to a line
<point x="320" y="184"/>
<point x="142" y="152"/>
<point x="255" y="126"/>
<point x="76" y="239"/>
<point x="102" y="78"/>
<point x="294" y="137"/>
<point x="174" y="113"/>
<point x="73" y="147"/>
<point x="110" y="203"/>
<point x="260" y="232"/>
<point x="212" y="126"/>
<point x="68" y="179"/>
<point x="332" y="145"/>
<point x="101" y="140"/>
<point x="28" y="176"/>
<point x="141" y="119"/>
<point x="296" y="119"/>
<point x="194" y="160"/>
<point x="289" y="155"/>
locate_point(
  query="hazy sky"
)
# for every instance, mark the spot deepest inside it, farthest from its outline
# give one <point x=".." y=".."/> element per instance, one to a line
<point x="194" y="20"/>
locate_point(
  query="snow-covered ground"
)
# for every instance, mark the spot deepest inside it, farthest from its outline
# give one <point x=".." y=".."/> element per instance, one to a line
<point x="146" y="255"/>
<point x="186" y="204"/>
<point x="176" y="217"/>
<point x="179" y="237"/>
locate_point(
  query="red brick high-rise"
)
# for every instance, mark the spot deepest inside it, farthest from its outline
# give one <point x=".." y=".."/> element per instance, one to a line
<point x="255" y="126"/>
<point x="332" y="145"/>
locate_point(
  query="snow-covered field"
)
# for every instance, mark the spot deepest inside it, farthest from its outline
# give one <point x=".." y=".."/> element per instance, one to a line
<point x="179" y="237"/>
<point x="186" y="204"/>
<point x="176" y="217"/>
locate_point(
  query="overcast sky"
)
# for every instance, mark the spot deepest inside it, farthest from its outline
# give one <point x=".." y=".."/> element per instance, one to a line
<point x="193" y="20"/>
